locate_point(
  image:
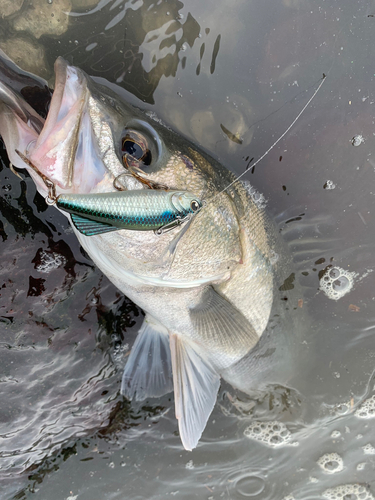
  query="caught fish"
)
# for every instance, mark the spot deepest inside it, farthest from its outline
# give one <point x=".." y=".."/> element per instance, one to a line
<point x="207" y="287"/>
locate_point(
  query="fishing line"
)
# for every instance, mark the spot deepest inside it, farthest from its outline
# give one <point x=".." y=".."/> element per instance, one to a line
<point x="273" y="145"/>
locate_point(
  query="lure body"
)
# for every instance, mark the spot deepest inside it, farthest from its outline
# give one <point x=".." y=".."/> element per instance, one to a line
<point x="138" y="210"/>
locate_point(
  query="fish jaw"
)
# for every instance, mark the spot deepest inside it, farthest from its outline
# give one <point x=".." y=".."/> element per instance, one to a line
<point x="64" y="150"/>
<point x="55" y="149"/>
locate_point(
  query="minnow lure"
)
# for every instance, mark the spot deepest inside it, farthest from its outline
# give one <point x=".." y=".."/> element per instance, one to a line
<point x="139" y="210"/>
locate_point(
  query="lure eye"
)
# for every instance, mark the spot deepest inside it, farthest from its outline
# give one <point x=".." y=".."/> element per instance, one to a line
<point x="194" y="205"/>
<point x="134" y="147"/>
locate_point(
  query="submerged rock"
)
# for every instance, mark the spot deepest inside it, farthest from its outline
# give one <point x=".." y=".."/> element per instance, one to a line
<point x="8" y="8"/>
<point x="28" y="54"/>
<point x="44" y="18"/>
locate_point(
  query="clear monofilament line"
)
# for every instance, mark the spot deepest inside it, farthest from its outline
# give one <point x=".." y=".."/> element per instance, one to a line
<point x="274" y="144"/>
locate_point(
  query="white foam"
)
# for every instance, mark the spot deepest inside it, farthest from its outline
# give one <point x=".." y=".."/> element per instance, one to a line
<point x="257" y="197"/>
<point x="272" y="433"/>
<point x="367" y="409"/>
<point x="357" y="140"/>
<point x="356" y="492"/>
<point x="368" y="449"/>
<point x="50" y="261"/>
<point x="331" y="463"/>
<point x="329" y="185"/>
<point x="337" y="282"/>
<point x="189" y="465"/>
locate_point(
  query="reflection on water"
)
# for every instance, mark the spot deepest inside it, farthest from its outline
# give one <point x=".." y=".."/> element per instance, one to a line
<point x="217" y="73"/>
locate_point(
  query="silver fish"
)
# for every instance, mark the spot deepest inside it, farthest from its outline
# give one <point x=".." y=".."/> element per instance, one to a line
<point x="207" y="288"/>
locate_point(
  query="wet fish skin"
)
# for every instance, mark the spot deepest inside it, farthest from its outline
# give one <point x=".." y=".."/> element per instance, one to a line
<point x="207" y="288"/>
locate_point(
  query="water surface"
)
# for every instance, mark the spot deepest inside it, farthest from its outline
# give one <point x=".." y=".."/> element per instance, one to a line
<point x="230" y="76"/>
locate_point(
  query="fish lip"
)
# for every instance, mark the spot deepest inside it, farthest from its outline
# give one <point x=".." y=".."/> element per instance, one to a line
<point x="63" y="122"/>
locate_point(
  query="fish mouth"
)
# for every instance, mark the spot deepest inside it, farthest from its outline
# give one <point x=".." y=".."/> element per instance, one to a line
<point x="54" y="146"/>
<point x="54" y="151"/>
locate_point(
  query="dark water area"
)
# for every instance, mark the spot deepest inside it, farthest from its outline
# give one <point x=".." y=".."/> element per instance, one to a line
<point x="231" y="77"/>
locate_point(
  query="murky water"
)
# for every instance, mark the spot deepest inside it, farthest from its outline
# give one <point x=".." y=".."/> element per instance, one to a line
<point x="231" y="76"/>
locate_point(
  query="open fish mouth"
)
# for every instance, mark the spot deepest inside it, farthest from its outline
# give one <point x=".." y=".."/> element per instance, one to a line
<point x="60" y="146"/>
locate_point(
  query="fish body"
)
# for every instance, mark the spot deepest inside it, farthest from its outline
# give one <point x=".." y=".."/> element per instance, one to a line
<point x="139" y="210"/>
<point x="207" y="287"/>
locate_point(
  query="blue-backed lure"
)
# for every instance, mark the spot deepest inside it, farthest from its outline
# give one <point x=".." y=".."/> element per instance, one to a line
<point x="158" y="210"/>
<point x="139" y="210"/>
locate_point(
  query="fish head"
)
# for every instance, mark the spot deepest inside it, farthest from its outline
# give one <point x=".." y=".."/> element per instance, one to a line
<point x="94" y="141"/>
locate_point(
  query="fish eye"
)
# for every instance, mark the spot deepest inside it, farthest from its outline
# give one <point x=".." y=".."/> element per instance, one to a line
<point x="134" y="148"/>
<point x="194" y="205"/>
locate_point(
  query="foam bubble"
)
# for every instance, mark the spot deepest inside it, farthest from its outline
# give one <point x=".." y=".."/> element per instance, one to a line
<point x="361" y="466"/>
<point x="48" y="261"/>
<point x="258" y="198"/>
<point x="335" y="434"/>
<point x="189" y="465"/>
<point x="368" y="449"/>
<point x="331" y="463"/>
<point x="352" y="491"/>
<point x="336" y="282"/>
<point x="329" y="185"/>
<point x="250" y="486"/>
<point x="357" y="140"/>
<point x="272" y="433"/>
<point x="367" y="408"/>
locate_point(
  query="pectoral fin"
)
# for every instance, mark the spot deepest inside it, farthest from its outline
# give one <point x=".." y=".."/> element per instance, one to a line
<point x="90" y="227"/>
<point x="195" y="388"/>
<point x="222" y="328"/>
<point x="148" y="371"/>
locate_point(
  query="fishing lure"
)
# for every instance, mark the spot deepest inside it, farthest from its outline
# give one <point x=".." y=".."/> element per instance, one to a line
<point x="139" y="210"/>
<point x="158" y="210"/>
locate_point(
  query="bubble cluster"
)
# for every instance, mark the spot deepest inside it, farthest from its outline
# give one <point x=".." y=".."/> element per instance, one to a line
<point x="258" y="198"/>
<point x="368" y="449"/>
<point x="346" y="491"/>
<point x="189" y="465"/>
<point x="367" y="409"/>
<point x="331" y="463"/>
<point x="329" y="185"/>
<point x="272" y="433"/>
<point x="49" y="261"/>
<point x="337" y="282"/>
<point x="357" y="140"/>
